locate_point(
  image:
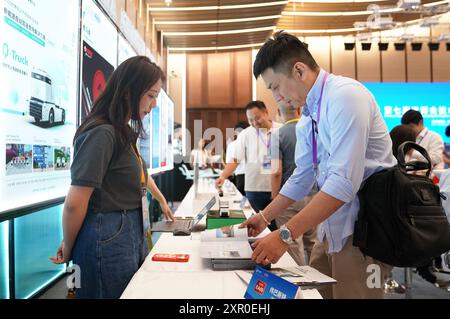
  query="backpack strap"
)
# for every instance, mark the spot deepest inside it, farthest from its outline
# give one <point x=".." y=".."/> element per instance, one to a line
<point x="413" y="165"/>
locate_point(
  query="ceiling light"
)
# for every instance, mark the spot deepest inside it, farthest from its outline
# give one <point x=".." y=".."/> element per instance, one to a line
<point x="337" y="13"/>
<point x="365" y="46"/>
<point x="399" y="46"/>
<point x="194" y="33"/>
<point x="336" y="1"/>
<point x="273" y="17"/>
<point x="383" y="46"/>
<point x="349" y="46"/>
<point x="437" y="3"/>
<point x="323" y="30"/>
<point x="211" y="8"/>
<point x="230" y="47"/>
<point x="416" y="46"/>
<point x="168" y="2"/>
<point x="433" y="46"/>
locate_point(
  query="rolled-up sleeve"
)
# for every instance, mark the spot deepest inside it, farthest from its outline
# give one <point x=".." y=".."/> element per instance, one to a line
<point x="301" y="181"/>
<point x="349" y="124"/>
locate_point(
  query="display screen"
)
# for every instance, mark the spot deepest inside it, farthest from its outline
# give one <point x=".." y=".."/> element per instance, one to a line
<point x="156" y="145"/>
<point x="431" y="99"/>
<point x="38" y="95"/>
<point x="170" y="133"/>
<point x="155" y="137"/>
<point x="125" y="50"/>
<point x="99" y="56"/>
<point x="96" y="71"/>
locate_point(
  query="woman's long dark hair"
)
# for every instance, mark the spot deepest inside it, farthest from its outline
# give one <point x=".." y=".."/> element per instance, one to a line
<point x="399" y="135"/>
<point x="121" y="98"/>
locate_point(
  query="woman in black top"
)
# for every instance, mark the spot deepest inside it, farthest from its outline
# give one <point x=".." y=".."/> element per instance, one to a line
<point x="103" y="221"/>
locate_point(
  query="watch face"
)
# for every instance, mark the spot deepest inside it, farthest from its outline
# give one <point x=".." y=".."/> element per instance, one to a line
<point x="284" y="233"/>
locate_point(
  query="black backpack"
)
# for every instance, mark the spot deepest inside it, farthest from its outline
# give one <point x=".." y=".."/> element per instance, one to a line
<point x="401" y="221"/>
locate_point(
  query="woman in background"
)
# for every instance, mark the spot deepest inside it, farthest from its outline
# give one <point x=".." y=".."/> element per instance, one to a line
<point x="399" y="135"/>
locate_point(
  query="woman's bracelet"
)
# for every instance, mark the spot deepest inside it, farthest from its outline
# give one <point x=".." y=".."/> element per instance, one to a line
<point x="264" y="219"/>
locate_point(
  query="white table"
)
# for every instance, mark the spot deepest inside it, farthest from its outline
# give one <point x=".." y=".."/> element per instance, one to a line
<point x="194" y="279"/>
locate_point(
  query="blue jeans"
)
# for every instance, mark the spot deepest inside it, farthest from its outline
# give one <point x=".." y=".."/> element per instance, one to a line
<point x="109" y="249"/>
<point x="259" y="201"/>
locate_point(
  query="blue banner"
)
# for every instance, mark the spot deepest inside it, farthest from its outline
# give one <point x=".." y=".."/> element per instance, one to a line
<point x="430" y="99"/>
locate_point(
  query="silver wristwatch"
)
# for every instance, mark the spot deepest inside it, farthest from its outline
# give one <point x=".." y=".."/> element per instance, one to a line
<point x="285" y="235"/>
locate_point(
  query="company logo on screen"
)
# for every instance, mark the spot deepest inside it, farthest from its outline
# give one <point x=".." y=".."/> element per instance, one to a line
<point x="260" y="287"/>
<point x="88" y="52"/>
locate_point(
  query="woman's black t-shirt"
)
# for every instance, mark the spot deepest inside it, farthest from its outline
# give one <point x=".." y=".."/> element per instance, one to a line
<point x="115" y="177"/>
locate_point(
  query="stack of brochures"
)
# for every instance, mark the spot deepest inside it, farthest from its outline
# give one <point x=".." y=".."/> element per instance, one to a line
<point x="304" y="276"/>
<point x="228" y="248"/>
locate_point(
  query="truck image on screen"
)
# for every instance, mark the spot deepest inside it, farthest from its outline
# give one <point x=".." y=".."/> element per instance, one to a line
<point x="42" y="104"/>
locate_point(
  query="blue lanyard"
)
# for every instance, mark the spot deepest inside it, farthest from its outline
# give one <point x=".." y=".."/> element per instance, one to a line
<point x="315" y="125"/>
<point x="269" y="142"/>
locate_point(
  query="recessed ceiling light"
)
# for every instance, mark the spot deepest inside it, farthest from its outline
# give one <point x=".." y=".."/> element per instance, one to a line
<point x="194" y="33"/>
<point x="209" y="8"/>
<point x="272" y="17"/>
<point x="230" y="47"/>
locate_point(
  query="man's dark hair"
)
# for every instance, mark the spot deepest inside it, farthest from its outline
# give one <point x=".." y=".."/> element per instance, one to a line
<point x="241" y="124"/>
<point x="281" y="53"/>
<point x="447" y="131"/>
<point x="258" y="104"/>
<point x="412" y="117"/>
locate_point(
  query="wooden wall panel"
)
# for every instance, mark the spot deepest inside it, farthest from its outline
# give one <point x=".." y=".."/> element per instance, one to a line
<point x="441" y="64"/>
<point x="265" y="95"/>
<point x="418" y="64"/>
<point x="176" y="70"/>
<point x="320" y="50"/>
<point x="243" y="78"/>
<point x="131" y="7"/>
<point x="195" y="81"/>
<point x="343" y="62"/>
<point x="393" y="65"/>
<point x="222" y="119"/>
<point x="120" y="6"/>
<point x="219" y="80"/>
<point x="368" y="63"/>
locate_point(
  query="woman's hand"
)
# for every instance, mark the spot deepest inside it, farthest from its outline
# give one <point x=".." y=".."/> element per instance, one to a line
<point x="62" y="255"/>
<point x="167" y="212"/>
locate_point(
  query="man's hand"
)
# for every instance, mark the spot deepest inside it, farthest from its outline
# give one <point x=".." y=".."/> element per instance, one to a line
<point x="220" y="181"/>
<point x="255" y="225"/>
<point x="269" y="249"/>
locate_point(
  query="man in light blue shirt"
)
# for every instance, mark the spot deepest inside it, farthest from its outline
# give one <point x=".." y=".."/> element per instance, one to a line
<point x="352" y="143"/>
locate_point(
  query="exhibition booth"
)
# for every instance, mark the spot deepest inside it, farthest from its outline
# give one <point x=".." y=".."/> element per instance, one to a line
<point x="57" y="56"/>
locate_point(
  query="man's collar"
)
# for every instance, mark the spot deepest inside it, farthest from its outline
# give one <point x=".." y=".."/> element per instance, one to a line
<point x="423" y="132"/>
<point x="313" y="95"/>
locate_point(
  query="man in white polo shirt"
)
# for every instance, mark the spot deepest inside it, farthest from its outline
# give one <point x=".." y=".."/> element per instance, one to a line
<point x="429" y="140"/>
<point x="253" y="146"/>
